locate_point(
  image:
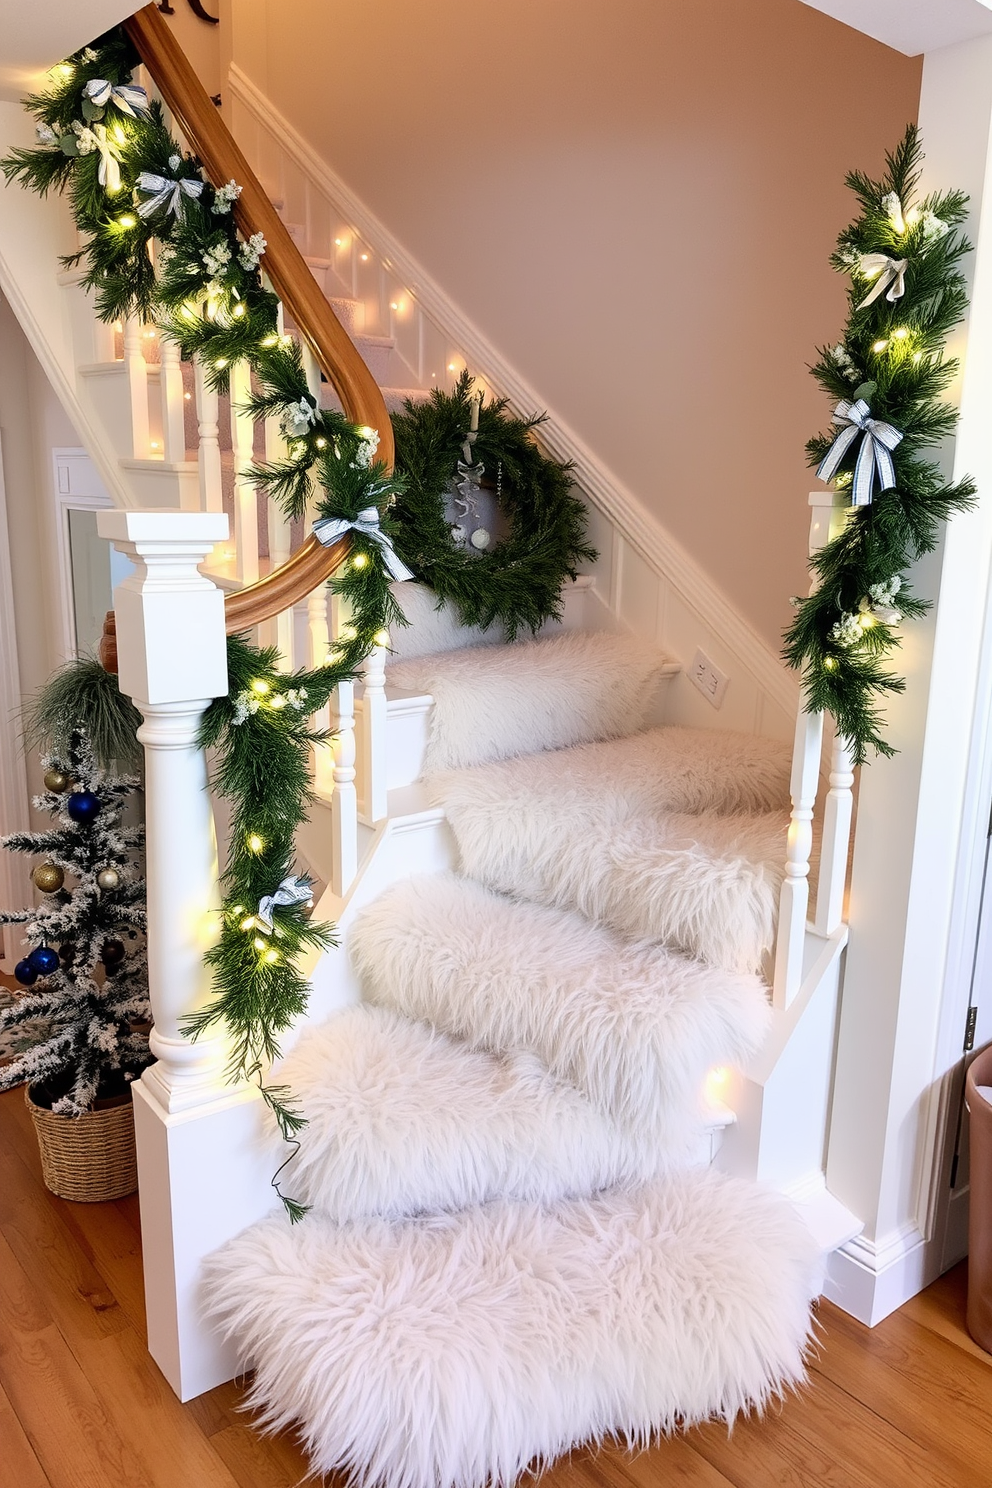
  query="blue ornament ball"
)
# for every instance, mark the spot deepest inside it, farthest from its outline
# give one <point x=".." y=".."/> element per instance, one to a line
<point x="83" y="806"/>
<point x="43" y="960"/>
<point x="25" y="972"/>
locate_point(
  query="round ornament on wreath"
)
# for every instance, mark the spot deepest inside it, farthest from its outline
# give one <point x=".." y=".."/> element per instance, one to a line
<point x="83" y="807"/>
<point x="462" y="458"/>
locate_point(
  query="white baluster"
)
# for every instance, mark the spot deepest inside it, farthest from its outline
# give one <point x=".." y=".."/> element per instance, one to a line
<point x="245" y="496"/>
<point x="344" y="801"/>
<point x="836" y="839"/>
<point x="200" y="1165"/>
<point x="311" y="368"/>
<point x="173" y="402"/>
<point x="281" y="630"/>
<point x="319" y="640"/>
<point x="372" y="738"/>
<point x="208" y="451"/>
<point x="136" y="370"/>
<point x="794" y="897"/>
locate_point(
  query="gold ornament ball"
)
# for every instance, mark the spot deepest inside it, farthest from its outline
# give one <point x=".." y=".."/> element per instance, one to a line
<point x="56" y="781"/>
<point x="48" y="877"/>
<point x="108" y="878"/>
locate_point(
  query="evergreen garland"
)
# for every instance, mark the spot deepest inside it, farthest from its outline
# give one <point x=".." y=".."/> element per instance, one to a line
<point x="891" y="357"/>
<point x="519" y="582"/>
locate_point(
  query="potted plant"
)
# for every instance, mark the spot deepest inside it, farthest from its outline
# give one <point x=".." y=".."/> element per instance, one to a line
<point x="84" y="975"/>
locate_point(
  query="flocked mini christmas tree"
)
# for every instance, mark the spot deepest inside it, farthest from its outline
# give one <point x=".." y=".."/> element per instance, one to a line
<point x="86" y="970"/>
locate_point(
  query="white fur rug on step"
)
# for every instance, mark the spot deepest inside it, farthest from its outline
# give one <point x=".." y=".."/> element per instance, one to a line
<point x="494" y="702"/>
<point x="456" y="1351"/>
<point x="662" y="769"/>
<point x="634" y="1027"/>
<point x="403" y="1120"/>
<point x="705" y="884"/>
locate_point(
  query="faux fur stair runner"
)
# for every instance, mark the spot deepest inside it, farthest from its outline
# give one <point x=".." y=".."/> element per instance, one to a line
<point x="508" y="1253"/>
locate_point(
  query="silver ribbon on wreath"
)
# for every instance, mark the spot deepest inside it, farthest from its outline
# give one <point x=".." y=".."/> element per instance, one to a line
<point x="292" y="890"/>
<point x="878" y="440"/>
<point x="166" y="193"/>
<point x="327" y="530"/>
<point x="129" y="98"/>
<point x="891" y="274"/>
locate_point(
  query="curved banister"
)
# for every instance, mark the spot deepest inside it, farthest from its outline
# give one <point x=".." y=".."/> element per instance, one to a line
<point x="222" y="160"/>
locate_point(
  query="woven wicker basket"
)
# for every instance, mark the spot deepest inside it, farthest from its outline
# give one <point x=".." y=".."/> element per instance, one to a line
<point x="91" y="1157"/>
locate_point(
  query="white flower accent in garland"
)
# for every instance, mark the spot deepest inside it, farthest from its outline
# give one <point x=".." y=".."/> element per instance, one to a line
<point x="933" y="226"/>
<point x="216" y="259"/>
<point x="881" y="601"/>
<point x="848" y="630"/>
<point x="366" y="451"/>
<point x="251" y="252"/>
<point x="841" y="358"/>
<point x="298" y="419"/>
<point x="225" y="197"/>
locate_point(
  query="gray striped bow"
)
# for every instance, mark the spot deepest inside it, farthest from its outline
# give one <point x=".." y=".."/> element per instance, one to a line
<point x="129" y="99"/>
<point x="878" y="439"/>
<point x="328" y="529"/>
<point x="891" y="272"/>
<point x="166" y="193"/>
<point x="291" y="891"/>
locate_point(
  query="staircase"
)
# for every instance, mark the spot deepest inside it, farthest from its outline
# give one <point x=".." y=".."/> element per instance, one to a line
<point x="509" y="1138"/>
<point x="556" y="892"/>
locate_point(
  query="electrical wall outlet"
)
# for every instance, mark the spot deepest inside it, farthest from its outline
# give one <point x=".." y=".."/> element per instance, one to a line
<point x="711" y="682"/>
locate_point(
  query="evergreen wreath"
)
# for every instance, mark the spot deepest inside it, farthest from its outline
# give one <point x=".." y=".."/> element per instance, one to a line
<point x="517" y="583"/>
<point x="888" y="371"/>
<point x="129" y="182"/>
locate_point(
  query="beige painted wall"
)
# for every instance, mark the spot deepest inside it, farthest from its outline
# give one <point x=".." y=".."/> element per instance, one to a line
<point x="32" y="424"/>
<point x="634" y="200"/>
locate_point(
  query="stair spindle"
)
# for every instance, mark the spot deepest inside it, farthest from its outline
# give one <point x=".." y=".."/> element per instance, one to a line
<point x="208" y="448"/>
<point x="173" y="409"/>
<point x="137" y="382"/>
<point x="245" y="495"/>
<point x="794" y="898"/>
<point x="323" y="759"/>
<point x="344" y="800"/>
<point x="372" y="739"/>
<point x="836" y="838"/>
<point x="282" y="626"/>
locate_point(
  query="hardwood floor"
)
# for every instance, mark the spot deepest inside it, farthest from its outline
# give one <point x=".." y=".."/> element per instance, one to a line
<point x="82" y="1405"/>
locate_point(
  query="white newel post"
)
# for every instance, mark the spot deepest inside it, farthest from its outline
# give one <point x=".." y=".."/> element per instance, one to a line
<point x="201" y="1167"/>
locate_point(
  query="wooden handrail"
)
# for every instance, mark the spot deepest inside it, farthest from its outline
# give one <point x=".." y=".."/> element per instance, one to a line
<point x="222" y="160"/>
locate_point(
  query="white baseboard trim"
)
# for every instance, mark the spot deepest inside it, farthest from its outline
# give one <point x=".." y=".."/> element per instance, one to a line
<point x="644" y="532"/>
<point x="869" y="1279"/>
